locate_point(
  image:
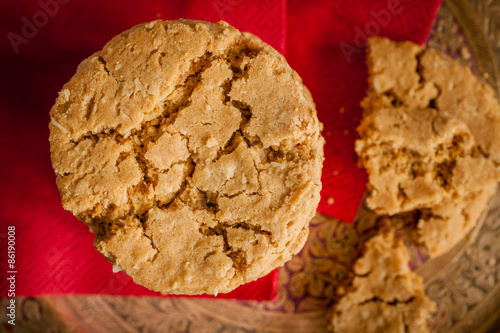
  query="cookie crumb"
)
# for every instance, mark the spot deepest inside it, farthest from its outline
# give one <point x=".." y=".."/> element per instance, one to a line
<point x="464" y="53"/>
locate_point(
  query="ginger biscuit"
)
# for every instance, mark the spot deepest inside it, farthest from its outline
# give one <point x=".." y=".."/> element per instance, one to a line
<point x="431" y="129"/>
<point x="193" y="152"/>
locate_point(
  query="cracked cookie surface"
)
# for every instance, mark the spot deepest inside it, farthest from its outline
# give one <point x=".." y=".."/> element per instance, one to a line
<point x="439" y="228"/>
<point x="385" y="295"/>
<point x="194" y="153"/>
<point x="430" y="132"/>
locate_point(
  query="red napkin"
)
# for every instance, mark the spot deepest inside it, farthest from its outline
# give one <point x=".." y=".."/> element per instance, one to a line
<point x="325" y="45"/>
<point x="54" y="252"/>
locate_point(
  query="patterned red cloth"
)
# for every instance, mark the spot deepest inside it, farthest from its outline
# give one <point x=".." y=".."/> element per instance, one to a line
<point x="44" y="42"/>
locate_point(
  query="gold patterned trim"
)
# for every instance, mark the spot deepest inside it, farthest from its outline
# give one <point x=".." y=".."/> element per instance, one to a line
<point x="468" y="18"/>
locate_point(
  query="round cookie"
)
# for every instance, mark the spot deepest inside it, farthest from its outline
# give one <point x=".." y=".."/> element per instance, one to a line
<point x="194" y="153"/>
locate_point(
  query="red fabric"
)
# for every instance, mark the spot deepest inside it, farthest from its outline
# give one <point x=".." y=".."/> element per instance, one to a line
<point x="54" y="252"/>
<point x="317" y="31"/>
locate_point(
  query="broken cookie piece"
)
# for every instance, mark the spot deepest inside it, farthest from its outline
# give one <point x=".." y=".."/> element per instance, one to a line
<point x="194" y="153"/>
<point x="385" y="295"/>
<point x="418" y="158"/>
<point x="431" y="130"/>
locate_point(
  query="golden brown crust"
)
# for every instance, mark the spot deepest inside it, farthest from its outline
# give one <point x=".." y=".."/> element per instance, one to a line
<point x="193" y="151"/>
